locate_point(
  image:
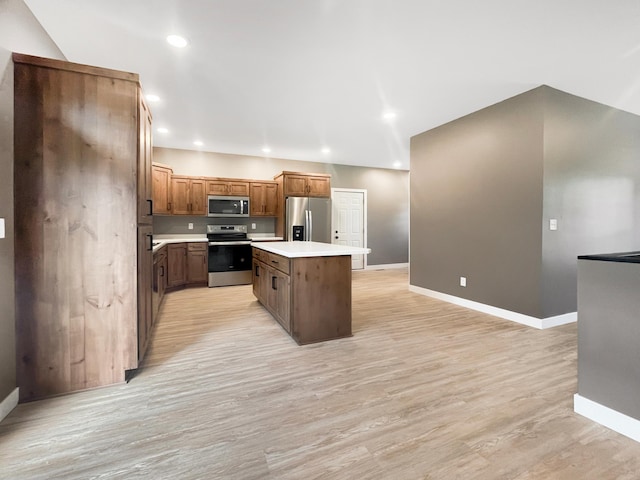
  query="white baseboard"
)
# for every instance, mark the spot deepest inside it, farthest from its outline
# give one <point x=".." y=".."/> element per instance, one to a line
<point x="9" y="403"/>
<point x="387" y="266"/>
<point x="616" y="421"/>
<point x="540" y="323"/>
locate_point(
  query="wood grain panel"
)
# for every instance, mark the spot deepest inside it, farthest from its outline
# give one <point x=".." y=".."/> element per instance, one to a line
<point x="75" y="173"/>
<point x="320" y="298"/>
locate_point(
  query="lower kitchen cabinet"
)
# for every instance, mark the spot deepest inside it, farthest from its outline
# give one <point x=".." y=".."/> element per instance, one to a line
<point x="159" y="279"/>
<point x="177" y="264"/>
<point x="197" y="267"/>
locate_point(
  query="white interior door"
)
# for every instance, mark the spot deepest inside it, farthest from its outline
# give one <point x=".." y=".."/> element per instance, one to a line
<point x="349" y="222"/>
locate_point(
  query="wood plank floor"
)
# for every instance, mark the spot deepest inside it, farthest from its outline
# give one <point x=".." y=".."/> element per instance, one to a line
<point x="423" y="390"/>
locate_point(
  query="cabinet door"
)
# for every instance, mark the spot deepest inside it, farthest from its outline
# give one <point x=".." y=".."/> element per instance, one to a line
<point x="177" y="264"/>
<point x="161" y="189"/>
<point x="238" y="188"/>
<point x="198" y="197"/>
<point x="278" y="297"/>
<point x="270" y="200"/>
<point x="145" y="288"/>
<point x="217" y="187"/>
<point x="197" y="263"/>
<point x="257" y="199"/>
<point x="261" y="279"/>
<point x="180" y="196"/>
<point x="295" y="185"/>
<point x="318" y="186"/>
<point x="145" y="203"/>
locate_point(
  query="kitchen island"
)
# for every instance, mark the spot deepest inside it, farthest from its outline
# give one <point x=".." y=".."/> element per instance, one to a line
<point x="306" y="286"/>
<point x="608" y="339"/>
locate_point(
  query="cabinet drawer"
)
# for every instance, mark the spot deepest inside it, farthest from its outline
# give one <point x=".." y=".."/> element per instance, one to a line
<point x="197" y="247"/>
<point x="259" y="254"/>
<point x="278" y="262"/>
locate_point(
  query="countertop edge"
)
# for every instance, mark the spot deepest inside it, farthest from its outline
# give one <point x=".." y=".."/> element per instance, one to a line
<point x="319" y="250"/>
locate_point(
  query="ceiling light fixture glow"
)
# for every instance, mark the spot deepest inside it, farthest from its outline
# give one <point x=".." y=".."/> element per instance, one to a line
<point x="389" y="116"/>
<point x="162" y="130"/>
<point x="326" y="150"/>
<point x="266" y="150"/>
<point x="177" y="41"/>
<point x="397" y="164"/>
<point x="153" y="98"/>
<point x="198" y="143"/>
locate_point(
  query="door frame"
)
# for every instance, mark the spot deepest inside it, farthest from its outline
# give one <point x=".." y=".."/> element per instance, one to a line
<point x="364" y="216"/>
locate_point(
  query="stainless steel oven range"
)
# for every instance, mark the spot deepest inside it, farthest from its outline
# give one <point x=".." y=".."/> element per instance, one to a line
<point x="229" y="255"/>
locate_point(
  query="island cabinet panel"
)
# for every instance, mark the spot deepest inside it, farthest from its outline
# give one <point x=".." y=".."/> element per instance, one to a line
<point x="76" y="169"/>
<point x="161" y="175"/>
<point x="320" y="298"/>
<point x="309" y="297"/>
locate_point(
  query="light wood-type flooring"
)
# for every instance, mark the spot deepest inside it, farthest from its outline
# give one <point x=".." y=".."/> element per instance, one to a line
<point x="423" y="390"/>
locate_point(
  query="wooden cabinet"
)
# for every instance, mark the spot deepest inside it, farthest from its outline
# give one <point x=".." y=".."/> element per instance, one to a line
<point x="161" y="180"/>
<point x="145" y="287"/>
<point x="228" y="186"/>
<point x="145" y="157"/>
<point x="309" y="296"/>
<point x="159" y="280"/>
<point x="197" y="268"/>
<point x="263" y="199"/>
<point x="271" y="285"/>
<point x="188" y="196"/>
<point x="177" y="264"/>
<point x="76" y="168"/>
<point x="297" y="184"/>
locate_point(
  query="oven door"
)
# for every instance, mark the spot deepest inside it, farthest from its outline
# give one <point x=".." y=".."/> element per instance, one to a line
<point x="229" y="263"/>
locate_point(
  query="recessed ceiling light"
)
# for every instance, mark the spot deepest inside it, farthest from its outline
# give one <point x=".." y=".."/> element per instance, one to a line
<point x="177" y="41"/>
<point x="389" y="115"/>
<point x="198" y="143"/>
<point x="153" y="98"/>
<point x="162" y="130"/>
<point x="397" y="164"/>
<point x="326" y="150"/>
<point x="266" y="150"/>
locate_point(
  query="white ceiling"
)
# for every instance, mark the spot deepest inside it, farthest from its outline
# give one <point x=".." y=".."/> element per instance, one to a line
<point x="299" y="75"/>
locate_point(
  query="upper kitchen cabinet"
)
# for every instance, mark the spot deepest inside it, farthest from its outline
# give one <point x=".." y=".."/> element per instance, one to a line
<point x="188" y="195"/>
<point x="77" y="140"/>
<point x="161" y="175"/>
<point x="263" y="199"/>
<point x="297" y="184"/>
<point x="145" y="157"/>
<point x="228" y="186"/>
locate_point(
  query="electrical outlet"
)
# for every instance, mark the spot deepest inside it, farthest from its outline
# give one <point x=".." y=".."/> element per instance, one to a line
<point x="253" y="226"/>
<point x="463" y="281"/>
<point x="1" y="227"/>
<point x="190" y="226"/>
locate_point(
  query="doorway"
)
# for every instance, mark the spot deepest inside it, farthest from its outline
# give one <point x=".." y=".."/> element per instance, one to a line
<point x="349" y="221"/>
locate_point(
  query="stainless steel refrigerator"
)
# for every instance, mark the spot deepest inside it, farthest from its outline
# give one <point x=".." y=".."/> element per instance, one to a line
<point x="308" y="219"/>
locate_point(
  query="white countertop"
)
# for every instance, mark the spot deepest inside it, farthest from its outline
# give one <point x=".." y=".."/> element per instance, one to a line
<point x="310" y="249"/>
<point x="164" y="239"/>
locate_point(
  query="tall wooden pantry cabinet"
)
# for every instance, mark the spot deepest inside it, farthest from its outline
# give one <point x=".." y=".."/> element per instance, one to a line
<point x="82" y="224"/>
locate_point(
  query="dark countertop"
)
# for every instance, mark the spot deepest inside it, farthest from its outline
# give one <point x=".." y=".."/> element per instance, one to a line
<point x="624" y="257"/>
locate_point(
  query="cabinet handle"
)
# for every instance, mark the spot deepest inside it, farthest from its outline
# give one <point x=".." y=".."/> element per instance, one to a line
<point x="150" y="237"/>
<point x="150" y="206"/>
<point x="275" y="261"/>
<point x="257" y="270"/>
<point x="274" y="285"/>
<point x="162" y="270"/>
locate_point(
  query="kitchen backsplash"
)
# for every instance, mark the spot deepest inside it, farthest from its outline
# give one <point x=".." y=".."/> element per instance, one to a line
<point x="174" y="224"/>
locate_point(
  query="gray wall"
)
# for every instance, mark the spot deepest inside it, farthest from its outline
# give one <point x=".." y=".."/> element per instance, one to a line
<point x="19" y="32"/>
<point x="484" y="187"/>
<point x="476" y="206"/>
<point x="591" y="186"/>
<point x="387" y="193"/>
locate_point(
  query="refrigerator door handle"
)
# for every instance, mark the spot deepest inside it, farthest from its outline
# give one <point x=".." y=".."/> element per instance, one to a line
<point x="310" y="237"/>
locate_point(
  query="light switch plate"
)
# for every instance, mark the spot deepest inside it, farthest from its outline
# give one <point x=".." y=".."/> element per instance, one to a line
<point x="1" y="227"/>
<point x="553" y="224"/>
<point x="463" y="281"/>
<point x="190" y="226"/>
<point x="253" y="226"/>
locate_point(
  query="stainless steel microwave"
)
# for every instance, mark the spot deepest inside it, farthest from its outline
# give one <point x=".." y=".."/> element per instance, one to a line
<point x="225" y="206"/>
